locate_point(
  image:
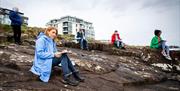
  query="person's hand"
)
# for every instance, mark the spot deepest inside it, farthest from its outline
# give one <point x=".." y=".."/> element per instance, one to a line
<point x="70" y="51"/>
<point x="57" y="54"/>
<point x="120" y="39"/>
<point x="64" y="51"/>
<point x="164" y="40"/>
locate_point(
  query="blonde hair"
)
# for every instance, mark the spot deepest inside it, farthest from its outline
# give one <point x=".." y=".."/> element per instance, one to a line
<point x="47" y="30"/>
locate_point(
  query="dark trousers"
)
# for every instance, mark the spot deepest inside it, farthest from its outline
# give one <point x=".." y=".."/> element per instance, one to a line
<point x="118" y="44"/>
<point x="17" y="33"/>
<point x="67" y="66"/>
<point x="83" y="44"/>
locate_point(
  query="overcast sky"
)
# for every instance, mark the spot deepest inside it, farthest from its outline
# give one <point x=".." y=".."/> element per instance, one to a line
<point x="135" y="20"/>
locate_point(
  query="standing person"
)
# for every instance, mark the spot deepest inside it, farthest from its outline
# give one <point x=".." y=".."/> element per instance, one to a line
<point x="157" y="43"/>
<point x="47" y="56"/>
<point x="115" y="40"/>
<point x="81" y="39"/>
<point x="16" y="22"/>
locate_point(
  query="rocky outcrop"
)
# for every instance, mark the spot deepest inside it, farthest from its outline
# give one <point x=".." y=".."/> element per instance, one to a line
<point x="145" y="54"/>
<point x="108" y="70"/>
<point x="8" y="37"/>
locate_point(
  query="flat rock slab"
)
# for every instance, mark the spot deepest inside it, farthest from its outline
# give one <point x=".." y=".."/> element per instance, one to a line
<point x="102" y="71"/>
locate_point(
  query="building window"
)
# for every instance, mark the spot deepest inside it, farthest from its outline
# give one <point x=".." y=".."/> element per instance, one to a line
<point x="65" y="29"/>
<point x="65" y="32"/>
<point x="65" y="23"/>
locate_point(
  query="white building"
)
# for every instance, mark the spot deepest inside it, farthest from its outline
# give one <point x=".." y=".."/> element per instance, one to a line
<point x="71" y="25"/>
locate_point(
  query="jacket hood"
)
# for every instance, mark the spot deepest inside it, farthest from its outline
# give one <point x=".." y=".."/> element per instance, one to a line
<point x="41" y="34"/>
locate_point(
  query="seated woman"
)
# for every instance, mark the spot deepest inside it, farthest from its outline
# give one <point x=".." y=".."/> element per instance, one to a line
<point x="115" y="40"/>
<point x="47" y="56"/>
<point x="158" y="43"/>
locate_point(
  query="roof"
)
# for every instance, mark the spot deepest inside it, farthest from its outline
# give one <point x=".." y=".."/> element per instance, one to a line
<point x="6" y="11"/>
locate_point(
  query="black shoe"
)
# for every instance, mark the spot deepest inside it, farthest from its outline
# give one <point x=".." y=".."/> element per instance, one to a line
<point x="78" y="77"/>
<point x="16" y="43"/>
<point x="70" y="81"/>
<point x="33" y="77"/>
<point x="19" y="43"/>
<point x="87" y="49"/>
<point x="123" y="48"/>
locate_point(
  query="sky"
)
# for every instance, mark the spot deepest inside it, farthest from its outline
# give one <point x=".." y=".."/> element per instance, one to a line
<point x="135" y="20"/>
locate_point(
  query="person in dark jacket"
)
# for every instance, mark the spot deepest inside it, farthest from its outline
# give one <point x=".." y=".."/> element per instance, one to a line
<point x="81" y="39"/>
<point x="16" y="22"/>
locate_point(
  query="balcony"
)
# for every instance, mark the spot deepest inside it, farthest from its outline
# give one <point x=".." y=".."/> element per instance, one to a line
<point x="65" y="29"/>
<point x="64" y="32"/>
<point x="65" y="24"/>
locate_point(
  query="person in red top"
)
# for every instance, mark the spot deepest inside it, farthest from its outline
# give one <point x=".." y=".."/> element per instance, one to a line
<point x="116" y="40"/>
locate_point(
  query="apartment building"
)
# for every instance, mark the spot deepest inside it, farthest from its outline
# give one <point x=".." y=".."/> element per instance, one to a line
<point x="71" y="25"/>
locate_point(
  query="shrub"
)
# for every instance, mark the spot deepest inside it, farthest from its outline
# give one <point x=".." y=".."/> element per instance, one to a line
<point x="6" y="28"/>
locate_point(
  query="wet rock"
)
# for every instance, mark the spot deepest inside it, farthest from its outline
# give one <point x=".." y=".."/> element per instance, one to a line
<point x="167" y="67"/>
<point x="28" y="42"/>
<point x="95" y="63"/>
<point x="173" y="88"/>
<point x="91" y="46"/>
<point x="15" y="57"/>
<point x="175" y="54"/>
<point x="178" y="78"/>
<point x="101" y="69"/>
<point x="3" y="38"/>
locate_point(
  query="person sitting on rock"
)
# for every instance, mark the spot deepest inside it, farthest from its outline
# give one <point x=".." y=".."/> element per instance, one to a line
<point x="81" y="39"/>
<point x="47" y="56"/>
<point x="158" y="43"/>
<point x="116" y="41"/>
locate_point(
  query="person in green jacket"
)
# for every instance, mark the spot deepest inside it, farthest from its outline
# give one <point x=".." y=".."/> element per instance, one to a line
<point x="158" y="43"/>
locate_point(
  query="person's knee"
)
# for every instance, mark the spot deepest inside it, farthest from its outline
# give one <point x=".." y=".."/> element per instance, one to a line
<point x="64" y="55"/>
<point x="164" y="43"/>
<point x="167" y="47"/>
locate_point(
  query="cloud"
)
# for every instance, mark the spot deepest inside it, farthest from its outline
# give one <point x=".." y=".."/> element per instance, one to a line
<point x="122" y="6"/>
<point x="160" y="4"/>
<point x="131" y="17"/>
<point x="80" y="5"/>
